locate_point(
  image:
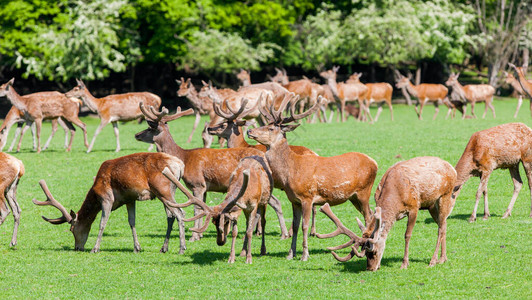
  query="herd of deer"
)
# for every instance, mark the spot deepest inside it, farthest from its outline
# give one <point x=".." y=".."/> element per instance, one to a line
<point x="249" y="173"/>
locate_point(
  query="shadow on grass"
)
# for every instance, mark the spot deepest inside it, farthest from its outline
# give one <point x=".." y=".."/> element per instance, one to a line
<point x="358" y="265"/>
<point x="464" y="217"/>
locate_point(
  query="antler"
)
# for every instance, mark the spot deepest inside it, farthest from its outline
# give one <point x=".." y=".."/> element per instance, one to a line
<point x="150" y="115"/>
<point x="376" y="234"/>
<point x="295" y="117"/>
<point x="207" y="211"/>
<point x="51" y="201"/>
<point x="232" y="115"/>
<point x="241" y="113"/>
<point x="341" y="229"/>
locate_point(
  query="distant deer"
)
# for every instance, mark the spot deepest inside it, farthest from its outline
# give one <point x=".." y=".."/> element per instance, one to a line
<point x="124" y="180"/>
<point x="201" y="105"/>
<point x="249" y="192"/>
<point x="10" y="173"/>
<point x="113" y="108"/>
<point x="380" y="93"/>
<point x="14" y="115"/>
<point x="244" y="77"/>
<point x="345" y="92"/>
<point x="425" y="92"/>
<point x="407" y="187"/>
<point x="526" y="85"/>
<point x="205" y="169"/>
<point x="473" y="93"/>
<point x="41" y="106"/>
<point x="503" y="146"/>
<point x="310" y="180"/>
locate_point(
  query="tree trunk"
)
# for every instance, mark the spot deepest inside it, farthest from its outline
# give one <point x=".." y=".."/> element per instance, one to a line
<point x="418" y="76"/>
<point x="526" y="57"/>
<point x="407" y="96"/>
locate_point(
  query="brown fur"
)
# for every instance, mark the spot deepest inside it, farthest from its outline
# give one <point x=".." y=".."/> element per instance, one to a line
<point x="426" y="92"/>
<point x="201" y="105"/>
<point x="526" y="85"/>
<point x="473" y="93"/>
<point x="10" y="173"/>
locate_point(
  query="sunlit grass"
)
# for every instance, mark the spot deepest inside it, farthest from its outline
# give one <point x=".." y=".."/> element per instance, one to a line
<point x="487" y="259"/>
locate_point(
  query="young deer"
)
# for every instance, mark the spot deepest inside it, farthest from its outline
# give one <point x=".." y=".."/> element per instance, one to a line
<point x="249" y="192"/>
<point x="425" y="92"/>
<point x="124" y="180"/>
<point x="514" y="82"/>
<point x="310" y="180"/>
<point x="244" y="77"/>
<point x="526" y="85"/>
<point x="407" y="187"/>
<point x="10" y="173"/>
<point x="205" y="169"/>
<point x="499" y="147"/>
<point x="113" y="108"/>
<point x="201" y="105"/>
<point x="380" y="93"/>
<point x="473" y="93"/>
<point x="41" y="106"/>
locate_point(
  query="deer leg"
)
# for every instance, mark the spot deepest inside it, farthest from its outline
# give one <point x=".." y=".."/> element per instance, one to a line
<point x="76" y="121"/>
<point x="481" y="191"/>
<point x="196" y="122"/>
<point x="262" y="212"/>
<point x="249" y="224"/>
<point x="4" y="210"/>
<point x="15" y="208"/>
<point x="33" y="134"/>
<point x="254" y="219"/>
<point x="412" y="216"/>
<point x="436" y="110"/>
<point x="117" y="133"/>
<point x="528" y="171"/>
<point x="169" y="224"/>
<point x="307" y="210"/>
<point x="472" y="109"/>
<point x="342" y="111"/>
<point x="54" y="129"/>
<point x="17" y="133"/>
<point x="234" y="234"/>
<point x="421" y="105"/>
<point x="26" y="127"/>
<point x="368" y="113"/>
<point x="491" y="107"/>
<point x="379" y="111"/>
<point x="297" y="211"/>
<point x="276" y="205"/>
<point x="131" y="219"/>
<point x="96" y="133"/>
<point x="38" y="127"/>
<point x="519" y="103"/>
<point x="313" y="222"/>
<point x="65" y="128"/>
<point x="518" y="183"/>
<point x="106" y="212"/>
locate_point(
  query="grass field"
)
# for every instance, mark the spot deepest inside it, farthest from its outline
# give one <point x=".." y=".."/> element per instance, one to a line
<point x="487" y="259"/>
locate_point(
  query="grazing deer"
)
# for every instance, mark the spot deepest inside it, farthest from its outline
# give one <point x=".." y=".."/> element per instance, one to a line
<point x="10" y="173"/>
<point x="14" y="115"/>
<point x="526" y="85"/>
<point x="249" y="192"/>
<point x="380" y="93"/>
<point x="499" y="147"/>
<point x="113" y="108"/>
<point x="205" y="169"/>
<point x="41" y="106"/>
<point x="407" y="187"/>
<point x="124" y="180"/>
<point x="473" y="93"/>
<point x="310" y="180"/>
<point x="345" y="92"/>
<point x="425" y="92"/>
<point x="201" y="105"/>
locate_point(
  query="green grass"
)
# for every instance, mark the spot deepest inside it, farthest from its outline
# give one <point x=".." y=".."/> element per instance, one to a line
<point x="487" y="259"/>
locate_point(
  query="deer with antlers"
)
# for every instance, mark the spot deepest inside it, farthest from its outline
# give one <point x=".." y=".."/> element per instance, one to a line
<point x="425" y="92"/>
<point x="344" y="92"/>
<point x="10" y="173"/>
<point x="113" y="108"/>
<point x="122" y="181"/>
<point x="310" y="180"/>
<point x="41" y="106"/>
<point x="205" y="169"/>
<point x="526" y="85"/>
<point x="510" y="79"/>
<point x="379" y="92"/>
<point x="249" y="192"/>
<point x="407" y="187"/>
<point x="499" y="147"/>
<point x="473" y="93"/>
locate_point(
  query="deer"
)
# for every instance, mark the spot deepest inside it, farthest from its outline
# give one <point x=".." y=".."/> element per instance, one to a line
<point x="526" y="85"/>
<point x="14" y="115"/>
<point x="514" y="83"/>
<point x="344" y="92"/>
<point x="408" y="186"/>
<point x="424" y="92"/>
<point x="41" y="106"/>
<point x="10" y="173"/>
<point x="113" y="108"/>
<point x="249" y="192"/>
<point x="122" y="181"/>
<point x="310" y="180"/>
<point x="379" y="92"/>
<point x="244" y="77"/>
<point x="473" y="93"/>
<point x="499" y="147"/>
<point x="206" y="170"/>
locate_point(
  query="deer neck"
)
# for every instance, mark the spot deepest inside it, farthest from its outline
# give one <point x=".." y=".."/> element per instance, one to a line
<point x="281" y="162"/>
<point x="165" y="143"/>
<point x="412" y="89"/>
<point x="16" y="100"/>
<point x="246" y="82"/>
<point x="92" y="102"/>
<point x="236" y="139"/>
<point x="89" y="209"/>
<point x="516" y="85"/>
<point x="193" y="97"/>
<point x="334" y="86"/>
<point x="460" y="90"/>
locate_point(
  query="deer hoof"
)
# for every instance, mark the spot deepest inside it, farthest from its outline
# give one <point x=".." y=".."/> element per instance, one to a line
<point x="472" y="219"/>
<point x="486" y="217"/>
<point x="506" y="214"/>
<point x="95" y="250"/>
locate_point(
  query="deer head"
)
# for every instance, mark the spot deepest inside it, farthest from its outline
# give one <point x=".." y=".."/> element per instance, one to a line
<point x="157" y="123"/>
<point x="330" y="74"/>
<point x="401" y="81"/>
<point x="185" y="87"/>
<point x="5" y="87"/>
<point x="453" y="79"/>
<point x="231" y="120"/>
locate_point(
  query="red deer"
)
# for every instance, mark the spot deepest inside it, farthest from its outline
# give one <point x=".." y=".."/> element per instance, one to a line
<point x="10" y="173"/>
<point x="249" y="192"/>
<point x="113" y="108"/>
<point x="344" y="92"/>
<point x="201" y="105"/>
<point x="310" y="180"/>
<point x="14" y="115"/>
<point x="380" y="93"/>
<point x="425" y="92"/>
<point x="499" y="147"/>
<point x="526" y="85"/>
<point x="41" y="106"/>
<point x="408" y="186"/>
<point x="205" y="169"/>
<point x="124" y="180"/>
<point x="244" y="77"/>
<point x="514" y="82"/>
<point x="473" y="93"/>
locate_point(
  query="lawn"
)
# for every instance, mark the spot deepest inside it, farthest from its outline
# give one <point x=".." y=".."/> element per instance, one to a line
<point x="487" y="259"/>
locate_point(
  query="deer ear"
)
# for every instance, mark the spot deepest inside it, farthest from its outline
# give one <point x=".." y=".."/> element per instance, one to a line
<point x="73" y="215"/>
<point x="178" y="81"/>
<point x="288" y="128"/>
<point x="189" y="80"/>
<point x="11" y="81"/>
<point x="204" y="83"/>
